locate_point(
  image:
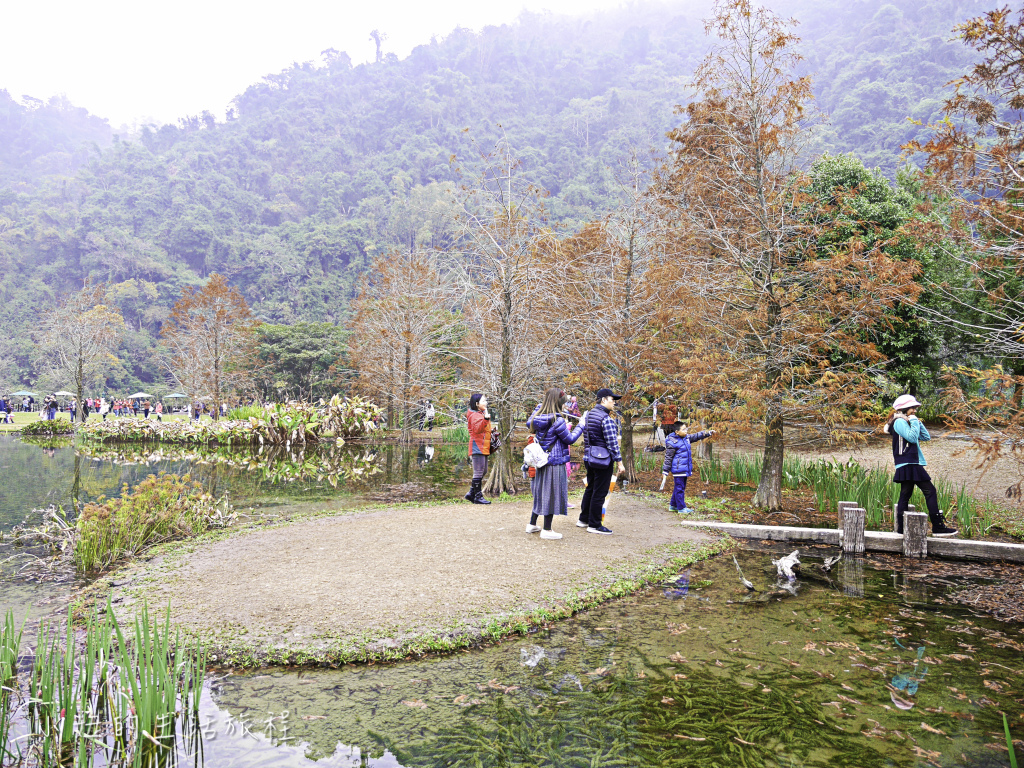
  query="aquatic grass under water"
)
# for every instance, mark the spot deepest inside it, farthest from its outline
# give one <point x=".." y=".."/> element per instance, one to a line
<point x="113" y="695"/>
<point x="675" y="721"/>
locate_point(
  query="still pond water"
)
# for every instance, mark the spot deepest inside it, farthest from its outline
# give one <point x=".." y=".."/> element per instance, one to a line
<point x="870" y="665"/>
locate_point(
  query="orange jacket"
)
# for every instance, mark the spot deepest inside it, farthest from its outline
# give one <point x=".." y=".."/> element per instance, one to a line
<point x="479" y="432"/>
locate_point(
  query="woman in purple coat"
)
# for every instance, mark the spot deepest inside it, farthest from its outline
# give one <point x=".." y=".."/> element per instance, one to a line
<point x="551" y="485"/>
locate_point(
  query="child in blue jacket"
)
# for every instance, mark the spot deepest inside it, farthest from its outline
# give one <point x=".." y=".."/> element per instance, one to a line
<point x="679" y="462"/>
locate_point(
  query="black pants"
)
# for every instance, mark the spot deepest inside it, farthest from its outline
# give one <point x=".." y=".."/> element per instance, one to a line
<point x="931" y="500"/>
<point x="599" y="480"/>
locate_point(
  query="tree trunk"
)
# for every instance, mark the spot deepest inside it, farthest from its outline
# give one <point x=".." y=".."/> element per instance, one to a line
<point x="80" y="391"/>
<point x="627" y="446"/>
<point x="406" y="387"/>
<point x="769" y="490"/>
<point x="705" y="448"/>
<point x="502" y="476"/>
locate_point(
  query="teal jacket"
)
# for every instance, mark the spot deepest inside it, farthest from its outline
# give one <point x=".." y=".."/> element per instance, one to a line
<point x="914" y="431"/>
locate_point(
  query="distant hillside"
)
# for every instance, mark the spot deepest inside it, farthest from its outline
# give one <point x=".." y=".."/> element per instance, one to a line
<point x="324" y="164"/>
<point x="41" y="139"/>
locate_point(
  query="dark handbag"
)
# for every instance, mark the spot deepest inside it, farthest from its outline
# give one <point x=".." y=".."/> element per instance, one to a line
<point x="495" y="441"/>
<point x="597" y="455"/>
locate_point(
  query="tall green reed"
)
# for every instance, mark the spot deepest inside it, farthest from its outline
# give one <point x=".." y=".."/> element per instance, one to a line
<point x="1009" y="742"/>
<point x="456" y="434"/>
<point x="713" y="470"/>
<point x="117" y="694"/>
<point x="10" y="646"/>
<point x="647" y="462"/>
<point x="871" y="489"/>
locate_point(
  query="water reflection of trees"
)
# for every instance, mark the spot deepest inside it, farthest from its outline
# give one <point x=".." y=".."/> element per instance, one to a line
<point x="331" y="464"/>
<point x="36" y="476"/>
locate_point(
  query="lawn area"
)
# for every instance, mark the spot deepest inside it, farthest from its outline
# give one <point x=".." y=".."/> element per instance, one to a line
<point x="20" y="419"/>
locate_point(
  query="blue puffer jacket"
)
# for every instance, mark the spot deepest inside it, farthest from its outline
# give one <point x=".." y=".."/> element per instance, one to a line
<point x="554" y="436"/>
<point x="678" y="457"/>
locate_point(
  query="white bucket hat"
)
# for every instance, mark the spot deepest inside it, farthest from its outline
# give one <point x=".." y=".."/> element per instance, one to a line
<point x="905" y="401"/>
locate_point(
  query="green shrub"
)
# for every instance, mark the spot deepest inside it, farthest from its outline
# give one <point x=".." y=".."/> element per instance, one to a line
<point x="160" y="508"/>
<point x="48" y="428"/>
<point x="244" y="412"/>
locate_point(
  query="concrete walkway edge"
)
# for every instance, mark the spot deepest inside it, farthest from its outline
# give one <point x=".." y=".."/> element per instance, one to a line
<point x="874" y="541"/>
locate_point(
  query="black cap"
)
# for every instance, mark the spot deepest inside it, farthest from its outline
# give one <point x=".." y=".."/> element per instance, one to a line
<point x="605" y="392"/>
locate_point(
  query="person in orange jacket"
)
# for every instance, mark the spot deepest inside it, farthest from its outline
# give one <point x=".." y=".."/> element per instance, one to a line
<point x="479" y="421"/>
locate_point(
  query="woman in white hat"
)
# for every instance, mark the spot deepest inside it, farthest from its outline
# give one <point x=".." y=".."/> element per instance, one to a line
<point x="908" y="432"/>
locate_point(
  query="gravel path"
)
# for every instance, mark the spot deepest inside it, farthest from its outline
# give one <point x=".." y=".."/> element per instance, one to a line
<point x="358" y="578"/>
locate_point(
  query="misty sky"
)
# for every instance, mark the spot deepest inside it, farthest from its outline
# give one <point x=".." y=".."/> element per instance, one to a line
<point x="128" y="61"/>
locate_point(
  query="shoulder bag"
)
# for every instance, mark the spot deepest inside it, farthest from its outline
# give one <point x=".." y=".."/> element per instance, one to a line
<point x="598" y="455"/>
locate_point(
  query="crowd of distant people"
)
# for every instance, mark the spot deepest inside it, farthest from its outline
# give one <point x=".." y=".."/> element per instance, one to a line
<point x="51" y="405"/>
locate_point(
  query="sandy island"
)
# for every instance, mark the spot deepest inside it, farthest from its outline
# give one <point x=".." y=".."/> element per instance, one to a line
<point x="388" y="583"/>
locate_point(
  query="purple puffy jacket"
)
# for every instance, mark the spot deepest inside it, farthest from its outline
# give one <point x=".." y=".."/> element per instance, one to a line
<point x="554" y="436"/>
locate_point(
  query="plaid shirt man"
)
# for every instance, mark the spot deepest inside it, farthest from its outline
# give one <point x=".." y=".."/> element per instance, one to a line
<point x="609" y="430"/>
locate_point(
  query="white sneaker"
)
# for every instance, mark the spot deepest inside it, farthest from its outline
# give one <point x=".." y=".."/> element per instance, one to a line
<point x="532" y="528"/>
<point x="550" y="535"/>
<point x="581" y="524"/>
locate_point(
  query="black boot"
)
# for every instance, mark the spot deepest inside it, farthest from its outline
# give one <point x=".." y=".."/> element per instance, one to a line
<point x="939" y="527"/>
<point x="474" y="489"/>
<point x="899" y="521"/>
<point x="480" y="498"/>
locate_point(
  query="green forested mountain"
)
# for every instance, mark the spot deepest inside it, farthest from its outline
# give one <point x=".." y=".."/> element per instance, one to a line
<point x="42" y="139"/>
<point x="322" y="165"/>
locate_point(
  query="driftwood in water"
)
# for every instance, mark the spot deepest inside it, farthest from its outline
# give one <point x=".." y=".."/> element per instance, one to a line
<point x="853" y="530"/>
<point x="915" y="534"/>
<point x="749" y="585"/>
<point x="788" y="565"/>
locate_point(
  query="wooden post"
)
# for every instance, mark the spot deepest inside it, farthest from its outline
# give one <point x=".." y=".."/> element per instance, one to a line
<point x="895" y="524"/>
<point x="851" y="574"/>
<point x="915" y="534"/>
<point x="853" y="530"/>
<point x="843" y="505"/>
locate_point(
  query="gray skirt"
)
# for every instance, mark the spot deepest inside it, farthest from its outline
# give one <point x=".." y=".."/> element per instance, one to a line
<point x="550" y="490"/>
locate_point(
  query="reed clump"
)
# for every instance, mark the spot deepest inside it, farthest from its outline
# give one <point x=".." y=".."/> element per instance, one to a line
<point x="117" y="698"/>
<point x="456" y="434"/>
<point x="162" y="507"/>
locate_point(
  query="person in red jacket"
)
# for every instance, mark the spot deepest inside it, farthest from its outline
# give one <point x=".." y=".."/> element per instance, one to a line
<point x="479" y="421"/>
